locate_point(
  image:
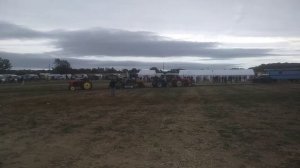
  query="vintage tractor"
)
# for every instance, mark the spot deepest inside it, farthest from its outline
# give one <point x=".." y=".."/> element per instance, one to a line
<point x="159" y="82"/>
<point x="171" y="81"/>
<point x="127" y="83"/>
<point x="83" y="84"/>
<point x="180" y="82"/>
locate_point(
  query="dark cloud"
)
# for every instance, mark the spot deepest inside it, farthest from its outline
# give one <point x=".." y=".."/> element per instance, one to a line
<point x="43" y="61"/>
<point x="127" y="43"/>
<point x="28" y="61"/>
<point x="114" y="42"/>
<point x="173" y="65"/>
<point x="227" y="53"/>
<point x="12" y="31"/>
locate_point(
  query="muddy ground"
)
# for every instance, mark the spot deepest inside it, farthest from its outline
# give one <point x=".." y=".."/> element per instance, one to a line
<point x="207" y="126"/>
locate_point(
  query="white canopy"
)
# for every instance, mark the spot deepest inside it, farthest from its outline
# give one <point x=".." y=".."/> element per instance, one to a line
<point x="226" y="72"/>
<point x="146" y="72"/>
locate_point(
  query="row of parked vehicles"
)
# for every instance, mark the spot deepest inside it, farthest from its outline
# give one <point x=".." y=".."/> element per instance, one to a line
<point x="12" y="78"/>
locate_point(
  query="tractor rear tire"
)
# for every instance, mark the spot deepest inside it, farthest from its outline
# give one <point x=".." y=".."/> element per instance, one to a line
<point x="87" y="85"/>
<point x="72" y="88"/>
<point x="179" y="84"/>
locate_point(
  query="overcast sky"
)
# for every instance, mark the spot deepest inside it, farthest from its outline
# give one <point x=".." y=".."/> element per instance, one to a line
<point x="190" y="34"/>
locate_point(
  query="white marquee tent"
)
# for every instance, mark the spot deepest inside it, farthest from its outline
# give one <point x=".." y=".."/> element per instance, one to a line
<point x="219" y="76"/>
<point x="146" y="73"/>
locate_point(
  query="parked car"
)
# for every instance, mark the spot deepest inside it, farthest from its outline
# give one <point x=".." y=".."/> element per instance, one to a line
<point x="79" y="76"/>
<point x="56" y="76"/>
<point x="11" y="78"/>
<point x="2" y="79"/>
<point x="31" y="77"/>
<point x="95" y="76"/>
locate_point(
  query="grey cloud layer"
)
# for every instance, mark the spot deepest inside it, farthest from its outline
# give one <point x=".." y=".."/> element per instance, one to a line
<point x="8" y="31"/>
<point x="42" y="61"/>
<point x="113" y="42"/>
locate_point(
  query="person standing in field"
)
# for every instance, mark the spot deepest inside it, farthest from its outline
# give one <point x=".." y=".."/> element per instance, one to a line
<point x="112" y="85"/>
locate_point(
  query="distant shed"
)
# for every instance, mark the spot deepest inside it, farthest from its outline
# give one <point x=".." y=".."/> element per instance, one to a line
<point x="219" y="76"/>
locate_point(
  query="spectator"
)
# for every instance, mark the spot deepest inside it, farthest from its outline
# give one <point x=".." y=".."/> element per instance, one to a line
<point x="112" y="85"/>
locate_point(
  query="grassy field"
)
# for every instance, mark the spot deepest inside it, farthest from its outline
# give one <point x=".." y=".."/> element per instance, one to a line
<point x="45" y="125"/>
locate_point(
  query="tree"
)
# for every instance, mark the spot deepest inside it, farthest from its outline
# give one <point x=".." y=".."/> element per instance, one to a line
<point x="62" y="66"/>
<point x="155" y="68"/>
<point x="4" y="64"/>
<point x="133" y="73"/>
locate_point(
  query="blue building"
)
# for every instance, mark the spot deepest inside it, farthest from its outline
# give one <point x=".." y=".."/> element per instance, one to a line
<point x="281" y="74"/>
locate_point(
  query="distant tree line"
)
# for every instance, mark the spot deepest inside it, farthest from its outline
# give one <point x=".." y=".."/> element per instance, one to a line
<point x="171" y="70"/>
<point x="64" y="67"/>
<point x="61" y="66"/>
<point x="73" y="71"/>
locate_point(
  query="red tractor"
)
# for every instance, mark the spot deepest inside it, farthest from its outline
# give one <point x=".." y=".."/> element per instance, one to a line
<point x="172" y="81"/>
<point x="83" y="84"/>
<point x="179" y="82"/>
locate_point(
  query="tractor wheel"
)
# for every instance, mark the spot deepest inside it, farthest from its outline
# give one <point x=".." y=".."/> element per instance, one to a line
<point x="72" y="88"/>
<point x="179" y="84"/>
<point x="87" y="85"/>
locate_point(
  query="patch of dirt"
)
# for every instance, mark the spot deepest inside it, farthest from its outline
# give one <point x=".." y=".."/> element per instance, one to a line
<point x="207" y="126"/>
